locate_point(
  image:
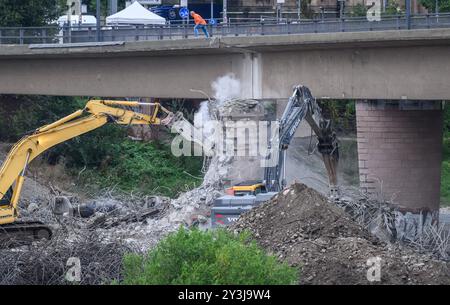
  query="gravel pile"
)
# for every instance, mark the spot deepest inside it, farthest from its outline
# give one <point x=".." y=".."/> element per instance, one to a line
<point x="301" y="227"/>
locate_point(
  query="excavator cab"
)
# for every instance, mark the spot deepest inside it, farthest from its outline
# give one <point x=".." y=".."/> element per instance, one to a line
<point x="250" y="187"/>
<point x="7" y="198"/>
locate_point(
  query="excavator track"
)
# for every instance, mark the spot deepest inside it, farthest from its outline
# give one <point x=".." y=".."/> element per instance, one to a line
<point x="23" y="233"/>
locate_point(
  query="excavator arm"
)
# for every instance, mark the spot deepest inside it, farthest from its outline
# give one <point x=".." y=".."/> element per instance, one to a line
<point x="302" y="106"/>
<point x="96" y="114"/>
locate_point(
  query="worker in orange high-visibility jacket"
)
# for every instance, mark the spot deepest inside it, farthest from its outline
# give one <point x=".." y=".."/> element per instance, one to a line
<point x="200" y="23"/>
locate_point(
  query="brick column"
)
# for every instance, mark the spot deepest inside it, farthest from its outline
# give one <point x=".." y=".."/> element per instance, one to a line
<point x="400" y="152"/>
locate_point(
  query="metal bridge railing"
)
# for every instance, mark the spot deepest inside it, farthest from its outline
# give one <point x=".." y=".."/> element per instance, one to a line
<point x="79" y="34"/>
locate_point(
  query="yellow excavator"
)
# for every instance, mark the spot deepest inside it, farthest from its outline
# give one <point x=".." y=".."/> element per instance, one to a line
<point x="95" y="114"/>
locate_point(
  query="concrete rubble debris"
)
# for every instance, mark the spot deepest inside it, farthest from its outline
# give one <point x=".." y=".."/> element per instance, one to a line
<point x="302" y="228"/>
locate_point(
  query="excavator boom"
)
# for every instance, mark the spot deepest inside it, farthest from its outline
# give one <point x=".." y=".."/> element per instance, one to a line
<point x="303" y="106"/>
<point x="96" y="114"/>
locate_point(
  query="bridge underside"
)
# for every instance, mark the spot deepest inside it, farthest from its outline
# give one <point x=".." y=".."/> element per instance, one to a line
<point x="385" y="65"/>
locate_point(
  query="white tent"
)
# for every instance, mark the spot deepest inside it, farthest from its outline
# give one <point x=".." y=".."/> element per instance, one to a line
<point x="135" y="14"/>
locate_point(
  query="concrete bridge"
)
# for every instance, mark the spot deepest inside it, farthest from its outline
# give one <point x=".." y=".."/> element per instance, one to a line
<point x="410" y="64"/>
<point x="398" y="78"/>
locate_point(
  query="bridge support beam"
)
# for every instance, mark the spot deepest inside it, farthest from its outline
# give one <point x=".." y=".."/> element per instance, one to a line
<point x="400" y="155"/>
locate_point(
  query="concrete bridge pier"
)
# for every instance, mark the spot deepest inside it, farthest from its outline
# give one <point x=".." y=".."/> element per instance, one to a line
<point x="400" y="155"/>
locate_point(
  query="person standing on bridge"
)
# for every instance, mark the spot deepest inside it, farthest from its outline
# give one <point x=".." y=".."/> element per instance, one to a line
<point x="200" y="23"/>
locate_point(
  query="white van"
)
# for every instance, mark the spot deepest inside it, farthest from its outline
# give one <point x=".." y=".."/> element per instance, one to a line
<point x="86" y="20"/>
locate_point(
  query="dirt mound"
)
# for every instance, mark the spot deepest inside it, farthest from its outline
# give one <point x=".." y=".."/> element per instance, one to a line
<point x="302" y="228"/>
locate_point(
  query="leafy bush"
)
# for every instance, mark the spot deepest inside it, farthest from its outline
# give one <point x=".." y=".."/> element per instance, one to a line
<point x="25" y="113"/>
<point x="342" y="114"/>
<point x="146" y="167"/>
<point x="213" y="257"/>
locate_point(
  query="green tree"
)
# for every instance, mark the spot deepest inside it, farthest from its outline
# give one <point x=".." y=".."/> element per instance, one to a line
<point x="24" y="113"/>
<point x="447" y="120"/>
<point x="29" y="12"/>
<point x="92" y="6"/>
<point x="443" y="5"/>
<point x="307" y="12"/>
<point x="359" y="10"/>
<point x="392" y="8"/>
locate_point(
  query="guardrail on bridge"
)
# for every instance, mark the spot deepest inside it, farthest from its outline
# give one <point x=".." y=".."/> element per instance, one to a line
<point x="78" y="34"/>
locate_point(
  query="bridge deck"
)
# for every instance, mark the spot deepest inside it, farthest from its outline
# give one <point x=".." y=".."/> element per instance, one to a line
<point x="221" y="45"/>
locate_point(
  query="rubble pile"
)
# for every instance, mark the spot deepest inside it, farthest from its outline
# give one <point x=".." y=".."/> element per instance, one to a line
<point x="382" y="219"/>
<point x="50" y="262"/>
<point x="301" y="227"/>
